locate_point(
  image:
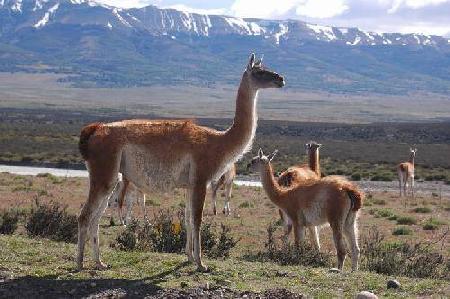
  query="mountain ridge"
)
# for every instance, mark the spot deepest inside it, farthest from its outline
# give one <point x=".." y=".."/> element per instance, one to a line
<point x="102" y="45"/>
<point x="165" y="21"/>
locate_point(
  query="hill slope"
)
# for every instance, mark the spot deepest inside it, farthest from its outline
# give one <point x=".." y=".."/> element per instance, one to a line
<point x="107" y="46"/>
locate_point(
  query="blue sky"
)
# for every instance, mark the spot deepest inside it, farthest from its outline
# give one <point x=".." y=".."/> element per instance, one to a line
<point x="422" y="16"/>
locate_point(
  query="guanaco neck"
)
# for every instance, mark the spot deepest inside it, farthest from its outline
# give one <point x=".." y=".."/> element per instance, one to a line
<point x="240" y="134"/>
<point x="270" y="184"/>
<point x="411" y="158"/>
<point x="314" y="163"/>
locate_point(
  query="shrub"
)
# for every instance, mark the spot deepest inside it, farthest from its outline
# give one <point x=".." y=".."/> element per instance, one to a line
<point x="384" y="177"/>
<point x="52" y="178"/>
<point x="385" y="213"/>
<point x="356" y="177"/>
<point x="8" y="222"/>
<point x="432" y="224"/>
<point x="402" y="231"/>
<point x="167" y="233"/>
<point x="393" y="217"/>
<point x="422" y="210"/>
<point x="406" y="220"/>
<point x="246" y="204"/>
<point x="305" y="254"/>
<point x="52" y="221"/>
<point x="225" y="243"/>
<point x="413" y="260"/>
<point x="127" y="240"/>
<point x="380" y="202"/>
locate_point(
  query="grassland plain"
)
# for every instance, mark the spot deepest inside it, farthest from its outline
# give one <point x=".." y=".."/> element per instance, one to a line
<point x="40" y="266"/>
<point x="363" y="151"/>
<point x="20" y="90"/>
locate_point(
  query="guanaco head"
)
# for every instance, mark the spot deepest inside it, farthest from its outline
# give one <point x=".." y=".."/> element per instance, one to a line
<point x="312" y="146"/>
<point x="260" y="77"/>
<point x="412" y="152"/>
<point x="260" y="160"/>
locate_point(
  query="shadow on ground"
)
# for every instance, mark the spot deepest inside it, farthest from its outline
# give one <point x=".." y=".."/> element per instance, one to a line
<point x="54" y="287"/>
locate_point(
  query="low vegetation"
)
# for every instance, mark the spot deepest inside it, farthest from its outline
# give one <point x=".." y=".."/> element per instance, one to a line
<point x="166" y="232"/>
<point x="406" y="220"/>
<point x="422" y="210"/>
<point x="8" y="221"/>
<point x="402" y="231"/>
<point x="402" y="258"/>
<point x="432" y="224"/>
<point x="43" y="138"/>
<point x="288" y="254"/>
<point x="51" y="220"/>
<point x="259" y="261"/>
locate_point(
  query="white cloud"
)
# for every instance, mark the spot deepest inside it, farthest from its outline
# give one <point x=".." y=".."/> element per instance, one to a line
<point x="262" y="8"/>
<point x="421" y="16"/>
<point x="124" y="3"/>
<point x="280" y="8"/>
<point x="321" y="9"/>
<point x="414" y="4"/>
<point x="213" y="11"/>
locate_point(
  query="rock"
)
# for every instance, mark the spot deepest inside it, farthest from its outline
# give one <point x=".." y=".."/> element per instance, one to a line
<point x="366" y="295"/>
<point x="393" y="284"/>
<point x="93" y="284"/>
<point x="334" y="270"/>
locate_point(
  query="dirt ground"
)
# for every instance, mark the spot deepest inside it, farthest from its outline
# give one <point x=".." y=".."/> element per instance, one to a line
<point x="252" y="211"/>
<point x="251" y="214"/>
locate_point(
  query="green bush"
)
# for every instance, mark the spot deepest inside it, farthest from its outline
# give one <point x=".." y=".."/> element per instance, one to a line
<point x="356" y="177"/>
<point x="52" y="221"/>
<point x="246" y="204"/>
<point x="167" y="233"/>
<point x="385" y="213"/>
<point x="401" y="258"/>
<point x="392" y="218"/>
<point x="402" y="231"/>
<point x="380" y="202"/>
<point x="406" y="220"/>
<point x="283" y="254"/>
<point x="8" y="222"/>
<point x="422" y="210"/>
<point x="383" y="177"/>
<point x="432" y="224"/>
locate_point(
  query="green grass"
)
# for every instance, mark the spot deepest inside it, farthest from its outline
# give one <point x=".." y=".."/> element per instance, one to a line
<point x="432" y="224"/>
<point x="422" y="210"/>
<point x="402" y="231"/>
<point x="43" y="259"/>
<point x="406" y="220"/>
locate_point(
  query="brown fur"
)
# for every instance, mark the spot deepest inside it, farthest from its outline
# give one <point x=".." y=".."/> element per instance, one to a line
<point x="168" y="153"/>
<point x="225" y="183"/>
<point x="298" y="174"/>
<point x="405" y="171"/>
<point x="332" y="200"/>
<point x="85" y="134"/>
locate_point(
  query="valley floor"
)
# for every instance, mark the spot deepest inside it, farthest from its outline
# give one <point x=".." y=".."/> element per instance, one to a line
<point x="43" y="268"/>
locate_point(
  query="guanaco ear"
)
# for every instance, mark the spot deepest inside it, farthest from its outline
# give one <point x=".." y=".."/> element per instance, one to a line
<point x="251" y="62"/>
<point x="319" y="145"/>
<point x="259" y="61"/>
<point x="260" y="153"/>
<point x="272" y="155"/>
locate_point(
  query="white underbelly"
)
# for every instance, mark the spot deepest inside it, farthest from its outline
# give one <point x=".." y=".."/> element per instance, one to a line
<point x="151" y="173"/>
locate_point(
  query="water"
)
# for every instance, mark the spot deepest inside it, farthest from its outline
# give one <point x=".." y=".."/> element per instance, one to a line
<point x="31" y="170"/>
<point x="425" y="188"/>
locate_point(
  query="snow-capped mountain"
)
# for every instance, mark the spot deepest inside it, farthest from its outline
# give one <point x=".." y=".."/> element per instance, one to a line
<point x="102" y="45"/>
<point x="41" y="13"/>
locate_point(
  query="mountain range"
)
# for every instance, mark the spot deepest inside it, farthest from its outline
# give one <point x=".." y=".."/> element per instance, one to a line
<point x="99" y="45"/>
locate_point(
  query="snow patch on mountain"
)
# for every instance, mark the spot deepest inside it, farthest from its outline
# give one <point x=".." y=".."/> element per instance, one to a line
<point x="47" y="15"/>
